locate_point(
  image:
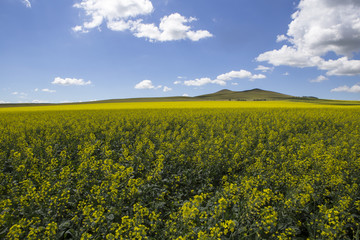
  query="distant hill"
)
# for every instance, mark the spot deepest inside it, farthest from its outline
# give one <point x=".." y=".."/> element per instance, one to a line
<point x="225" y="94"/>
<point x="255" y="94"/>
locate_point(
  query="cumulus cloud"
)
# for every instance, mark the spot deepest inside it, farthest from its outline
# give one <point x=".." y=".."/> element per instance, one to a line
<point x="281" y="38"/>
<point x="113" y="12"/>
<point x="185" y="95"/>
<point x="167" y="89"/>
<point x="322" y="26"/>
<point x="264" y="69"/>
<point x="79" y="29"/>
<point x="70" y="82"/>
<point x="146" y="84"/>
<point x="319" y="27"/>
<point x="27" y="3"/>
<point x="234" y="74"/>
<point x="345" y="88"/>
<point x="177" y="82"/>
<point x="257" y="76"/>
<point x="171" y="28"/>
<point x="320" y="78"/>
<point x="121" y="15"/>
<point x="290" y="56"/>
<point x="223" y="78"/>
<point x="202" y="81"/>
<point x="341" y="67"/>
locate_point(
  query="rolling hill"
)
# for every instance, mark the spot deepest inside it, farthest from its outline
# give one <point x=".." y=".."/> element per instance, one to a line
<point x="248" y="95"/>
<point x="222" y="95"/>
<point x="255" y="94"/>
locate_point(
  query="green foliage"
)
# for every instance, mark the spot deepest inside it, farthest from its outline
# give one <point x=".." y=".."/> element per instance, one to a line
<point x="180" y="174"/>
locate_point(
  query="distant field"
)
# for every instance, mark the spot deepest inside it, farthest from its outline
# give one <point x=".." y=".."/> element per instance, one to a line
<point x="328" y="102"/>
<point x="180" y="170"/>
<point x="185" y="104"/>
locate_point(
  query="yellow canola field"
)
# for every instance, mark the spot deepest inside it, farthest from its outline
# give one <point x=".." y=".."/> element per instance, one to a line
<point x="175" y="105"/>
<point x="180" y="170"/>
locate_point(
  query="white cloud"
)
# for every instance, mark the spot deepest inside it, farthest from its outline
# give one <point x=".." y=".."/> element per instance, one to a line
<point x="48" y="90"/>
<point x="281" y="38"/>
<point x="289" y="56"/>
<point x="239" y="75"/>
<point x="197" y="35"/>
<point x="200" y="82"/>
<point x="36" y="89"/>
<point x="257" y="76"/>
<point x="167" y="89"/>
<point x="342" y="66"/>
<point x="146" y="84"/>
<point x="119" y="26"/>
<point x="177" y="82"/>
<point x="185" y="95"/>
<point x="79" y="29"/>
<point x="320" y="78"/>
<point x="15" y="93"/>
<point x="320" y="27"/>
<point x="345" y="88"/>
<point x="234" y="74"/>
<point x="27" y="3"/>
<point x="70" y="82"/>
<point x="171" y="28"/>
<point x="113" y="12"/>
<point x="121" y="15"/>
<point x="264" y="69"/>
<point x="223" y="78"/>
<point x="286" y="74"/>
<point x="1" y="101"/>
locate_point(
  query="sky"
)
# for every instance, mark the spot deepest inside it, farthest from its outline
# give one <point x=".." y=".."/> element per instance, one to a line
<point x="83" y="50"/>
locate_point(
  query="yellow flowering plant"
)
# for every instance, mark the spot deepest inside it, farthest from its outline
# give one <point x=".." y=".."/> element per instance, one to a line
<point x="194" y="170"/>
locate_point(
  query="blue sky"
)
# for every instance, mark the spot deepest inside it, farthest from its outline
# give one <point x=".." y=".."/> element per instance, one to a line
<point x="81" y="50"/>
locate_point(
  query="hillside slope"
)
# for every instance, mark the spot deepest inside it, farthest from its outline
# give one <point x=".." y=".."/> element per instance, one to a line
<point x="253" y="94"/>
